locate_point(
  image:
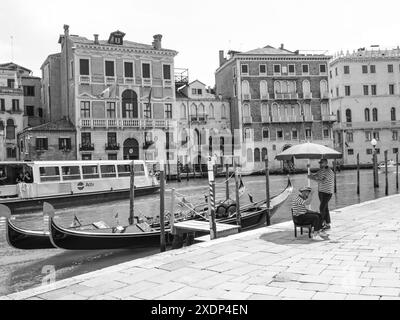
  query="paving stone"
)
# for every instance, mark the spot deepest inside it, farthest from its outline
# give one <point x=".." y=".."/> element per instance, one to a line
<point x="297" y="293"/>
<point x="329" y="296"/>
<point x="132" y="289"/>
<point x="361" y="297"/>
<point x="381" y="291"/>
<point x="159" y="291"/>
<point x="264" y="297"/>
<point x="265" y="290"/>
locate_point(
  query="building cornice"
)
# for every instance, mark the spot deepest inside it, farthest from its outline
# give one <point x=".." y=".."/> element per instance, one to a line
<point x="105" y="48"/>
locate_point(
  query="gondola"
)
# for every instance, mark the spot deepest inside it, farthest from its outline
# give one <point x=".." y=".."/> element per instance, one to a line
<point x="133" y="237"/>
<point x="24" y="239"/>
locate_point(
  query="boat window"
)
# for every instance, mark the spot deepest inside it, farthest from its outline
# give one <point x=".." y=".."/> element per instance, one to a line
<point x="139" y="170"/>
<point x="48" y="174"/>
<point x="108" y="172"/>
<point x="71" y="173"/>
<point x="124" y="170"/>
<point x="9" y="173"/>
<point x="90" y="172"/>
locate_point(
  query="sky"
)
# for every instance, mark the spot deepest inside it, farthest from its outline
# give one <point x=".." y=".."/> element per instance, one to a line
<point x="198" y="29"/>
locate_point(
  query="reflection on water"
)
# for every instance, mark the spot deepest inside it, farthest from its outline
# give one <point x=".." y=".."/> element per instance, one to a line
<point x="20" y="270"/>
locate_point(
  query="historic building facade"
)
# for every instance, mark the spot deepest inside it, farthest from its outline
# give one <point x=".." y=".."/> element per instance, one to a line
<point x="365" y="88"/>
<point x="204" y="126"/>
<point x="118" y="94"/>
<point x="278" y="98"/>
<point x="11" y="109"/>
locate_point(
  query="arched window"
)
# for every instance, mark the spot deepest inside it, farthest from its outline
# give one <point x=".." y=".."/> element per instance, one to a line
<point x="211" y="113"/>
<point x="183" y="111"/>
<point x="264" y="111"/>
<point x="323" y="86"/>
<point x="282" y="112"/>
<point x="284" y="87"/>
<point x="374" y="114"/>
<point x="222" y="145"/>
<point x="264" y="153"/>
<point x="257" y="155"/>
<point x="202" y="109"/>
<point x="348" y="115"/>
<point x="338" y="115"/>
<point x="275" y="112"/>
<point x="130" y="105"/>
<point x="292" y="86"/>
<point x="210" y="145"/>
<point x="277" y="87"/>
<point x="367" y="115"/>
<point x="393" y="114"/>
<point x="184" y="137"/>
<point x="10" y="129"/>
<point x="245" y="88"/>
<point x="247" y="133"/>
<point x="223" y="111"/>
<point x="193" y="110"/>
<point x="246" y="110"/>
<point x="1" y="125"/>
<point x="306" y="86"/>
<point x="249" y="155"/>
<point x="263" y="89"/>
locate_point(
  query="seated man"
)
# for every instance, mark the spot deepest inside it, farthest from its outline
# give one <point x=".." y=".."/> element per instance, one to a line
<point x="302" y="215"/>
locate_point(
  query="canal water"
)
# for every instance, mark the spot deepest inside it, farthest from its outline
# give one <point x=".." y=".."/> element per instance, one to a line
<point x="21" y="270"/>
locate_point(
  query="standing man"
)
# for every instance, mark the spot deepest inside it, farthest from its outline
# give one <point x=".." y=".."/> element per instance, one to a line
<point x="325" y="178"/>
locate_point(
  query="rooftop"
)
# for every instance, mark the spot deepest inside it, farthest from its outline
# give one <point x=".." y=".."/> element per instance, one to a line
<point x="58" y="125"/>
<point x="363" y="53"/>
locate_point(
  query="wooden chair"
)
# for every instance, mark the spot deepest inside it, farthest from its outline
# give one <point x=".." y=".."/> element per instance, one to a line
<point x="301" y="226"/>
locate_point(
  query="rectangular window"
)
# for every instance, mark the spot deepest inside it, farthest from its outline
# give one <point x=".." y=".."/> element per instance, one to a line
<point x="265" y="134"/>
<point x="390" y="68"/>
<point x="378" y="151"/>
<point x="147" y="111"/>
<point x="369" y="151"/>
<point x="111" y="138"/>
<point x="2" y="105"/>
<point x="322" y="68"/>
<point x="146" y="74"/>
<point x="391" y="89"/>
<point x="84" y="67"/>
<point x="108" y="171"/>
<point x="305" y="69"/>
<point x="366" y="90"/>
<point x="395" y="135"/>
<point x="71" y="173"/>
<point x="30" y="111"/>
<point x="279" y="134"/>
<point x="112" y="156"/>
<point x="376" y="135"/>
<point x="48" y="174"/>
<point x="368" y="136"/>
<point x="373" y="89"/>
<point x="308" y="133"/>
<point x="86" y="138"/>
<point x="327" y="133"/>
<point x="167" y="72"/>
<point x="42" y="144"/>
<point x="10" y="83"/>
<point x="110" y="71"/>
<point x="245" y="69"/>
<point x="364" y="69"/>
<point x="86" y="157"/>
<point x="128" y="69"/>
<point x="372" y="68"/>
<point x="346" y="69"/>
<point x="294" y="134"/>
<point x="29" y="91"/>
<point x="15" y="105"/>
<point x="85" y="109"/>
<point x="64" y="144"/>
<point x="349" y="137"/>
<point x="90" y="172"/>
<point x="350" y="152"/>
<point x="263" y="69"/>
<point x="168" y="111"/>
<point x="277" y="69"/>
<point x="336" y="71"/>
<point x="111" y="110"/>
<point x="330" y="74"/>
<point x="347" y="90"/>
<point x="337" y="92"/>
<point x="292" y="69"/>
<point x="124" y="170"/>
<point x="395" y="150"/>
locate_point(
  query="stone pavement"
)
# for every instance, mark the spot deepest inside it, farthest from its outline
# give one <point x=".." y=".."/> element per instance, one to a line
<point x="360" y="261"/>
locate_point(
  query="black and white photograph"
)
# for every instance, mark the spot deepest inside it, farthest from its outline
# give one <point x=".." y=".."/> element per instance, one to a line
<point x="170" y="152"/>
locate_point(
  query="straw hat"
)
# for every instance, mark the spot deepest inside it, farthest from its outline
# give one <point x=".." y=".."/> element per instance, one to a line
<point x="305" y="189"/>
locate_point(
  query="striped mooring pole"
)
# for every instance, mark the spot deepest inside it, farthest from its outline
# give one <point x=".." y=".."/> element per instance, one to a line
<point x="211" y="199"/>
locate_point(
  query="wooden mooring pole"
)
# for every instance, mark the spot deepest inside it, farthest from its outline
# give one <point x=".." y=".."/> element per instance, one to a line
<point x="163" y="246"/>
<point x="227" y="181"/>
<point x="268" y="198"/>
<point x="386" y="174"/>
<point x="397" y="171"/>
<point x="358" y="173"/>
<point x="334" y="171"/>
<point x="132" y="195"/>
<point x="237" y="186"/>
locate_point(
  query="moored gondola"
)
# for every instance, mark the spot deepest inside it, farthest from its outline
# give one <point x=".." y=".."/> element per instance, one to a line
<point x="24" y="239"/>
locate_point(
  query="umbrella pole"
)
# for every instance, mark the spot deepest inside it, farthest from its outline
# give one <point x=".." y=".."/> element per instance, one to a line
<point x="309" y="172"/>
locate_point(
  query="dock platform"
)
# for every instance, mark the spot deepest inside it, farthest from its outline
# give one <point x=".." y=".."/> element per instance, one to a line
<point x="223" y="230"/>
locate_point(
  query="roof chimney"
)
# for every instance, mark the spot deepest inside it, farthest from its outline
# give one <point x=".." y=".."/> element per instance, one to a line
<point x="66" y="30"/>
<point x="282" y="46"/>
<point x="221" y="57"/>
<point x="96" y="39"/>
<point x="157" y="41"/>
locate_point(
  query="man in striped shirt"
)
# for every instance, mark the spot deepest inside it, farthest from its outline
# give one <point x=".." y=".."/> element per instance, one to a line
<point x="302" y="215"/>
<point x="325" y="179"/>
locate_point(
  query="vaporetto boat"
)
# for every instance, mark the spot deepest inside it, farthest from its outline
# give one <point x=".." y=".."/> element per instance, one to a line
<point x="71" y="183"/>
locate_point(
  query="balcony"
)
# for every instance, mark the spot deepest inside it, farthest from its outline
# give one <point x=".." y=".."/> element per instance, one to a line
<point x="111" y="80"/>
<point x="147" y="82"/>
<point x="167" y="83"/>
<point x="325" y="95"/>
<point x="370" y="125"/>
<point x="265" y="96"/>
<point x="308" y="118"/>
<point x="329" y="118"/>
<point x="246" y="97"/>
<point x="113" y="147"/>
<point x="286" y="96"/>
<point x="201" y="118"/>
<point x="86" y="147"/>
<point x="129" y="81"/>
<point x="265" y="119"/>
<point x="307" y="96"/>
<point x="126" y="123"/>
<point x="84" y="79"/>
<point x="13" y="91"/>
<point x="247" y="120"/>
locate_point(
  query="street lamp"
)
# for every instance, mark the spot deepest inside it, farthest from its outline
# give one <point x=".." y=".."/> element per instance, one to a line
<point x="374" y="161"/>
